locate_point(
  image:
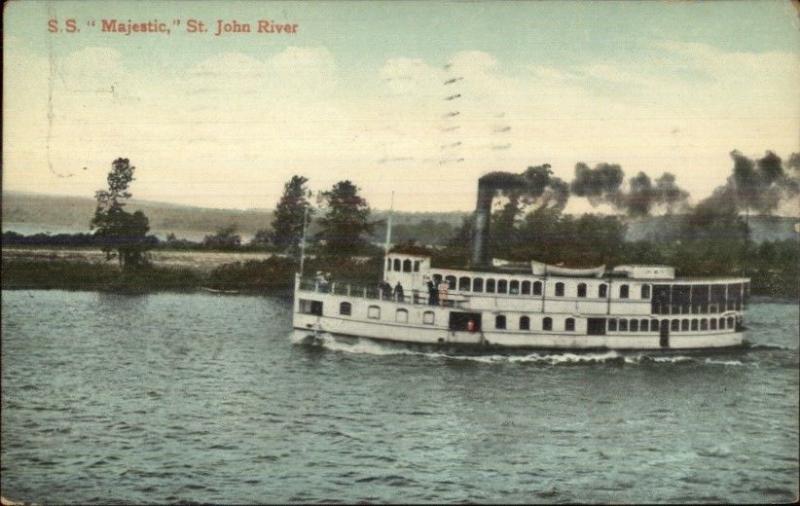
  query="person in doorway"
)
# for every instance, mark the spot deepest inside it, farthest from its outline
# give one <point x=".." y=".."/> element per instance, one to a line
<point x="398" y="292"/>
<point x="443" y="287"/>
<point x="433" y="295"/>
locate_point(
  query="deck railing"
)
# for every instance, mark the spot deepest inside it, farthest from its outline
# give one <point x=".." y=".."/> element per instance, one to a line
<point x="415" y="297"/>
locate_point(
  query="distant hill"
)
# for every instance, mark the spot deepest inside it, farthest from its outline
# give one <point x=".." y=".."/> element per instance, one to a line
<point x="30" y="213"/>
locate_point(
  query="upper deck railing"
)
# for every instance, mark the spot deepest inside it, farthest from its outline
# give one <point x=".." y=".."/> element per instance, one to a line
<point x="415" y="297"/>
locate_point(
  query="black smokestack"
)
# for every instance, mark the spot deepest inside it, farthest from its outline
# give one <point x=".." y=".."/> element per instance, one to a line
<point x="488" y="185"/>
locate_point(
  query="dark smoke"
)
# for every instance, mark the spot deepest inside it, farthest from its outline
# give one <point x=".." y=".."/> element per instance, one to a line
<point x="762" y="184"/>
<point x="598" y="185"/>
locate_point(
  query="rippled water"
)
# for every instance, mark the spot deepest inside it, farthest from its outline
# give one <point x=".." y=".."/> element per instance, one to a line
<point x="197" y="397"/>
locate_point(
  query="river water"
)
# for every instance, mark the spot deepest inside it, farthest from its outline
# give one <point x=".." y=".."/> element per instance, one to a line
<point x="204" y="398"/>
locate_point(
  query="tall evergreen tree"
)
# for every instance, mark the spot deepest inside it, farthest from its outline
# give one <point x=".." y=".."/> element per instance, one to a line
<point x="346" y="221"/>
<point x="287" y="227"/>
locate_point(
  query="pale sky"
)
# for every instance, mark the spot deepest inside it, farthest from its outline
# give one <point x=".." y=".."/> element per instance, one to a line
<point x="359" y="93"/>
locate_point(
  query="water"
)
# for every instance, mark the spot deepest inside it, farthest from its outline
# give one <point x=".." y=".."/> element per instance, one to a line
<point x="199" y="397"/>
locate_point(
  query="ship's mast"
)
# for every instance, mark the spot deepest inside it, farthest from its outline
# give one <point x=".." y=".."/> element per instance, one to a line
<point x="303" y="241"/>
<point x="388" y="234"/>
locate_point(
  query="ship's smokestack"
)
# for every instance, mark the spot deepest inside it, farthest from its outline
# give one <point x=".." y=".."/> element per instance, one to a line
<point x="488" y="185"/>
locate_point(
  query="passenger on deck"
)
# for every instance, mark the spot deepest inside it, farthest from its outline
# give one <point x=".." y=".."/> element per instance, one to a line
<point x="398" y="292"/>
<point x="385" y="289"/>
<point x="433" y="294"/>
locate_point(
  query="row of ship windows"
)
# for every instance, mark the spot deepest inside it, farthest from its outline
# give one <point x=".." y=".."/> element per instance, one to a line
<point x="614" y="325"/>
<point x="515" y="287"/>
<point x="405" y="266"/>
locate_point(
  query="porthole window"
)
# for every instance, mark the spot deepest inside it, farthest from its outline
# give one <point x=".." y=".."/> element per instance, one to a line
<point x="537" y="288"/>
<point x="345" y="308"/>
<point x="401" y="316"/>
<point x="645" y="291"/>
<point x="374" y="312"/>
<point x="524" y="323"/>
<point x="623" y="291"/>
<point x="547" y="323"/>
<point x="602" y="291"/>
<point x="559" y="289"/>
<point x="581" y="289"/>
<point x="500" y="322"/>
<point x="569" y="324"/>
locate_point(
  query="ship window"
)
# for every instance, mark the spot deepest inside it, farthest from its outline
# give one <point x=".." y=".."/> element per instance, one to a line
<point x="490" y="285"/>
<point x="602" y="291"/>
<point x="713" y="323"/>
<point x="581" y="289"/>
<point x="416" y="265"/>
<point x="623" y="291"/>
<point x="428" y="317"/>
<point x="559" y="289"/>
<point x="547" y="323"/>
<point x="704" y="324"/>
<point x="612" y="325"/>
<point x="451" y="282"/>
<point x="526" y="288"/>
<point x="500" y="322"/>
<point x="374" y="312"/>
<point x="537" y="288"/>
<point x="730" y="322"/>
<point x="513" y="287"/>
<point x="695" y="324"/>
<point x="623" y="325"/>
<point x="634" y="325"/>
<point x="311" y="307"/>
<point x="654" y="325"/>
<point x="406" y="265"/>
<point x="684" y="325"/>
<point x="643" y="326"/>
<point x="388" y="264"/>
<point x="502" y="286"/>
<point x="345" y="308"/>
<point x="401" y="316"/>
<point x="397" y="264"/>
<point x="477" y="285"/>
<point x="524" y="323"/>
<point x="675" y="325"/>
<point x="437" y="278"/>
<point x="645" y="291"/>
<point x="569" y="324"/>
<point x="722" y="323"/>
<point x="463" y="283"/>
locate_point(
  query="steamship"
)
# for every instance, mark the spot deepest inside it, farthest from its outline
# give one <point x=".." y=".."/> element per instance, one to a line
<point x="495" y="304"/>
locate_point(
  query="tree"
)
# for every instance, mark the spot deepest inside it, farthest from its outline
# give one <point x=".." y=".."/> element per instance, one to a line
<point x="121" y="234"/>
<point x="346" y="220"/>
<point x="225" y="238"/>
<point x="287" y="227"/>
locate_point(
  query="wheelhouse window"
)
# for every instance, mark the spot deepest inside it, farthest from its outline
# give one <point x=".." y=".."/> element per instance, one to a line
<point x="602" y="291"/>
<point x="559" y="289"/>
<point x="581" y="289"/>
<point x="345" y="308"/>
<point x="374" y="313"/>
<point x="477" y="285"/>
<point x="502" y="286"/>
<point x="397" y="266"/>
<point x="406" y="265"/>
<point x="645" y="291"/>
<point x="490" y="284"/>
<point x="569" y="324"/>
<point x="612" y="325"/>
<point x="513" y="287"/>
<point x="463" y="283"/>
<point x="401" y="316"/>
<point x="500" y="321"/>
<point x="428" y="317"/>
<point x="526" y="288"/>
<point x="537" y="288"/>
<point x="524" y="323"/>
<point x="624" y="291"/>
<point x="547" y="323"/>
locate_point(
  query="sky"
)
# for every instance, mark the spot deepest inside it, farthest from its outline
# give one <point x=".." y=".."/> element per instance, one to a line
<point x="361" y="90"/>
